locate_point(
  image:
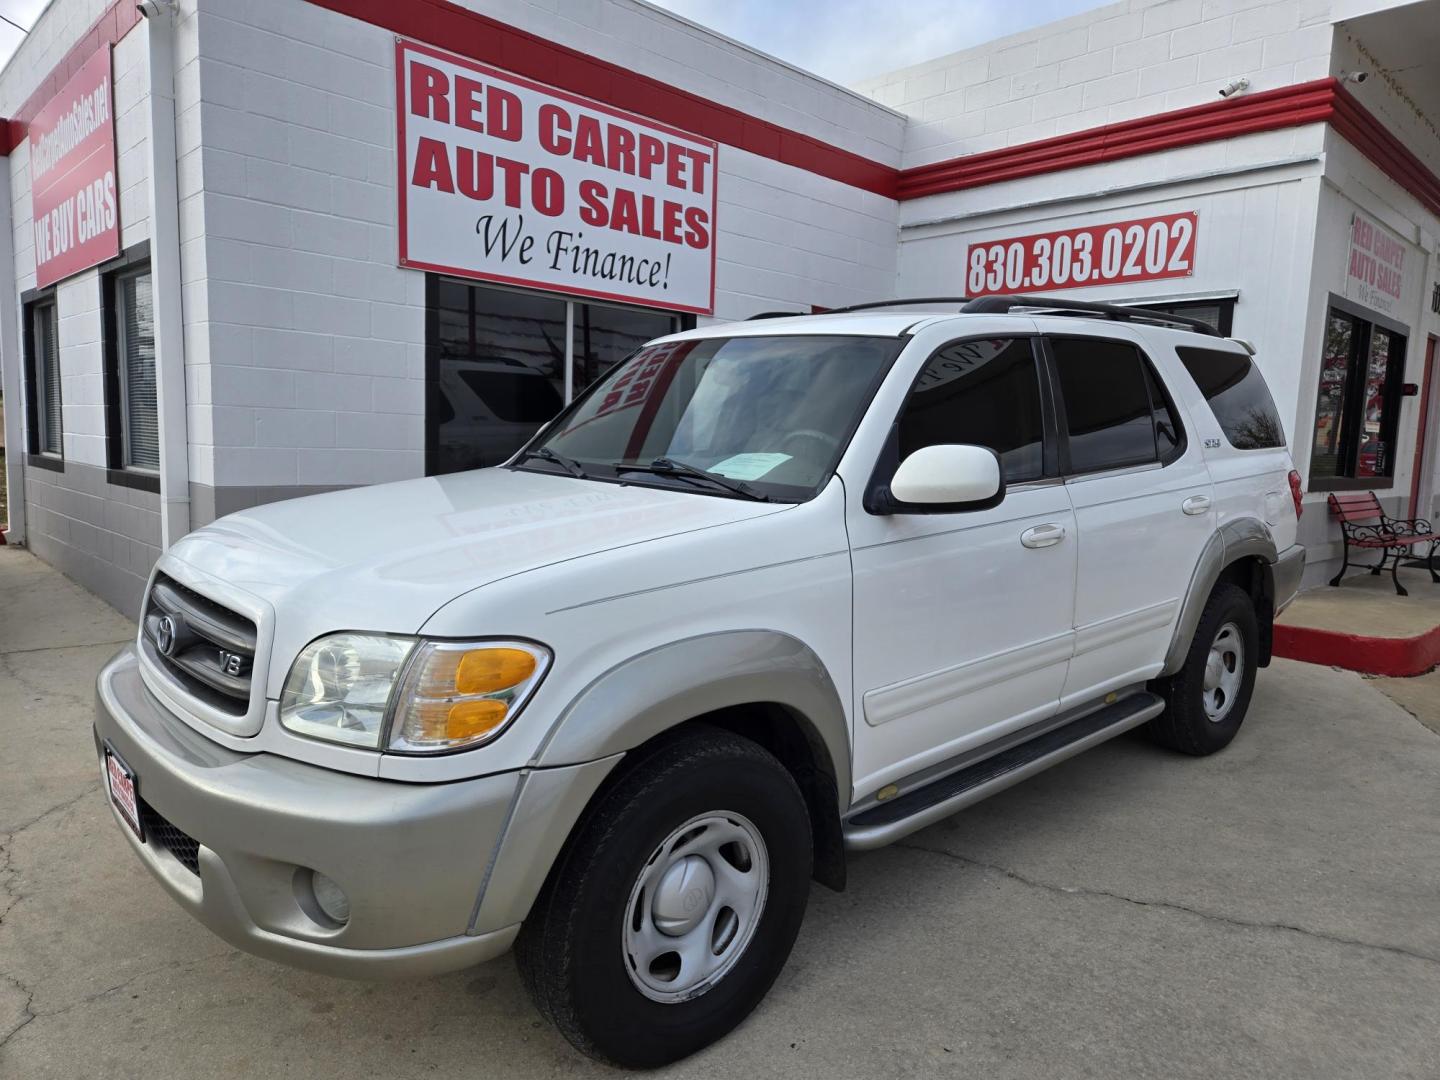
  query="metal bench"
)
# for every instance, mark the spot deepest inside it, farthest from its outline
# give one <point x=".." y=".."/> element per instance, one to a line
<point x="1365" y="524"/>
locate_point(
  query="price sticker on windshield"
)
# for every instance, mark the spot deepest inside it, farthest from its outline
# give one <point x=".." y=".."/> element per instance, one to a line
<point x="1144" y="249"/>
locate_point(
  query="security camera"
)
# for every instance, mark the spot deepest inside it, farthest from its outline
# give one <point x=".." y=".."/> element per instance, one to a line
<point x="1354" y="76"/>
<point x="151" y="9"/>
<point x="1231" y="89"/>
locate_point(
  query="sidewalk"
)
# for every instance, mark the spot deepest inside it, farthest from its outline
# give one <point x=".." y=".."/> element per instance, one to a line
<point x="1268" y="911"/>
<point x="1364" y="626"/>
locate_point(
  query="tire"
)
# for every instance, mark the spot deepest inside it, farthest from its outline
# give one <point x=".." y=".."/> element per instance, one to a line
<point x="625" y="874"/>
<point x="1187" y="725"/>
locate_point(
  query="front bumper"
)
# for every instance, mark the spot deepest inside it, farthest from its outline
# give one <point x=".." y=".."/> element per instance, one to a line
<point x="412" y="858"/>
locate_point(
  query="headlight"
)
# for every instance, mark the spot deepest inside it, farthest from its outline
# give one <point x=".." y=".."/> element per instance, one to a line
<point x="408" y="695"/>
<point x="339" y="687"/>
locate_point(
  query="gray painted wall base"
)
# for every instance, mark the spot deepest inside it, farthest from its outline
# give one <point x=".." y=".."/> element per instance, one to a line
<point x="103" y="535"/>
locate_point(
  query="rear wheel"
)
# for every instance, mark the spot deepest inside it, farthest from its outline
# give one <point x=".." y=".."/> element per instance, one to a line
<point x="676" y="904"/>
<point x="1206" y="700"/>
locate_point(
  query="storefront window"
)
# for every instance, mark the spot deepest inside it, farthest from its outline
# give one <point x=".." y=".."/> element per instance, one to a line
<point x="498" y="372"/>
<point x="1220" y="314"/>
<point x="497" y="364"/>
<point x="1357" y="405"/>
<point x="606" y="335"/>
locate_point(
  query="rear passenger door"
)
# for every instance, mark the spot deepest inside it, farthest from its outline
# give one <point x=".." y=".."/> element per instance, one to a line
<point x="1142" y="501"/>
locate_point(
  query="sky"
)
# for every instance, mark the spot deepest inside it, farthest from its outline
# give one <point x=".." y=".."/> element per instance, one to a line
<point x="23" y="12"/>
<point x="849" y="40"/>
<point x="843" y="40"/>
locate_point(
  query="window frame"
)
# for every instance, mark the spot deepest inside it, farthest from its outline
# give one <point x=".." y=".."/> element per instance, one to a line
<point x="1224" y="304"/>
<point x="1062" y="424"/>
<point x="877" y="500"/>
<point x="1353" y="397"/>
<point x="433" y="397"/>
<point x="132" y="262"/>
<point x="30" y="302"/>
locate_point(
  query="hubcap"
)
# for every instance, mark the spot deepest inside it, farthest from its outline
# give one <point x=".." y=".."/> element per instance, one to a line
<point x="1224" y="672"/>
<point x="695" y="906"/>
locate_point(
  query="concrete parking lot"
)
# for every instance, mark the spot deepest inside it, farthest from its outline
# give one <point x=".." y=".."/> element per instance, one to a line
<point x="1272" y="911"/>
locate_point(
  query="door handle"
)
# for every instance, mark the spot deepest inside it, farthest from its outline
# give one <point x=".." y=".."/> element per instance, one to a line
<point x="1196" y="504"/>
<point x="1042" y="536"/>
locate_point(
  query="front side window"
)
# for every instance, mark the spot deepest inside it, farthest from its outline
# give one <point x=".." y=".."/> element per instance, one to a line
<point x="773" y="413"/>
<point x="986" y="393"/>
<point x="1115" y="412"/>
<point x="1238" y="396"/>
<point x="1358" y="405"/>
<point x="135" y="356"/>
<point x="45" y="402"/>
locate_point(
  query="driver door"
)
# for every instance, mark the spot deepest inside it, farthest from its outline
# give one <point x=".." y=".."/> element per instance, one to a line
<point x="963" y="621"/>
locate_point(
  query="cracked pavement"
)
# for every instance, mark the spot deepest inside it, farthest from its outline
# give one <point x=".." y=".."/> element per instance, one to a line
<point x="1268" y="912"/>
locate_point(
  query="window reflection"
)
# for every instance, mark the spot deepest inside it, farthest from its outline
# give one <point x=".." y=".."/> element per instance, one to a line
<point x="498" y="361"/>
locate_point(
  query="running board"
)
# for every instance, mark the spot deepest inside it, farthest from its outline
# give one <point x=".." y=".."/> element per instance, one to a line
<point x="889" y="821"/>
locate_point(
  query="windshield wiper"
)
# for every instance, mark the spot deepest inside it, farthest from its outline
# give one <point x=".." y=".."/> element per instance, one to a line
<point x="663" y="466"/>
<point x="570" y="465"/>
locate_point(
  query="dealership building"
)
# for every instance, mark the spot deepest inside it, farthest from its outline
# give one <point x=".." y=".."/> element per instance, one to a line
<point x="256" y="249"/>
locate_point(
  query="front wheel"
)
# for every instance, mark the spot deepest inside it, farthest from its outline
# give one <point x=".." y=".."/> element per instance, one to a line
<point x="675" y="905"/>
<point x="1206" y="700"/>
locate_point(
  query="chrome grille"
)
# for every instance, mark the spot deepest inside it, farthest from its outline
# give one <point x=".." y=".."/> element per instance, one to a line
<point x="204" y="646"/>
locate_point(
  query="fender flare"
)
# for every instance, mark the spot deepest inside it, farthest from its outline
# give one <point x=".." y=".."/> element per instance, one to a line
<point x="1237" y="539"/>
<point x="657" y="690"/>
<point x="633" y="702"/>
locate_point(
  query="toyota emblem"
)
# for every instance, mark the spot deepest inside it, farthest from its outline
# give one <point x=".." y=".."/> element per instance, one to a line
<point x="165" y="635"/>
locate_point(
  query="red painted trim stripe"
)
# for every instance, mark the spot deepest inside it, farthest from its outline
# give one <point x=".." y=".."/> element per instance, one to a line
<point x="114" y="23"/>
<point x="1321" y="101"/>
<point x="1399" y="657"/>
<point x="1289" y="106"/>
<point x="1364" y="131"/>
<point x="450" y="26"/>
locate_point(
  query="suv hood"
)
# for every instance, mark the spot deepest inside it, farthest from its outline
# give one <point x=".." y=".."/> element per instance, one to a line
<point x="387" y="557"/>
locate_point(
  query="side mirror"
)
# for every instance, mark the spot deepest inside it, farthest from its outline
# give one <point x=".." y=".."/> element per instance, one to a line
<point x="947" y="478"/>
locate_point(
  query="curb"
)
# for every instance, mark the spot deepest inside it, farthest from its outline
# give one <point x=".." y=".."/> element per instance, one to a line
<point x="1398" y="657"/>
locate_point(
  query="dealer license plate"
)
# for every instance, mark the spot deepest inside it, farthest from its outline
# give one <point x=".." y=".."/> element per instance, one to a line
<point x="121" y="781"/>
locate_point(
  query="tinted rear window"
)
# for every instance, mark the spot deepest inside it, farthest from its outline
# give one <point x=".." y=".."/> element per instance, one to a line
<point x="1238" y="396"/>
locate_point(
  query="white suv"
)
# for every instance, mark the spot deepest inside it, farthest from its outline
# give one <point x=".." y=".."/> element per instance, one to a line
<point x="769" y="592"/>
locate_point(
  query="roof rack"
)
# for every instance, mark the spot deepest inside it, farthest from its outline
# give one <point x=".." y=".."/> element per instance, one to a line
<point x="1000" y="305"/>
<point x="776" y="315"/>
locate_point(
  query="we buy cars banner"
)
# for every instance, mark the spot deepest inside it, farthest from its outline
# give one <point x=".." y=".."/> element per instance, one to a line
<point x="503" y="179"/>
<point x="72" y="175"/>
<point x="1142" y="249"/>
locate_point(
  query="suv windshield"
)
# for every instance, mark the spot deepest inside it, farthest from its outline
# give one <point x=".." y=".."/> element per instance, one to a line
<point x="770" y="415"/>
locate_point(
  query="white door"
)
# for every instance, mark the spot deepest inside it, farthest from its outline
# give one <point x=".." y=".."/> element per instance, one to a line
<point x="1143" y="506"/>
<point x="962" y="619"/>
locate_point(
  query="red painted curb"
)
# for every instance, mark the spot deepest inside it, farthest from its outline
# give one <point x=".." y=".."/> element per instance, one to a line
<point x="1401" y="657"/>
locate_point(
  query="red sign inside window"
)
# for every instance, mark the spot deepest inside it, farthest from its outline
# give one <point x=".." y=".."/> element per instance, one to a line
<point x="1144" y="249"/>
<point x="72" y="176"/>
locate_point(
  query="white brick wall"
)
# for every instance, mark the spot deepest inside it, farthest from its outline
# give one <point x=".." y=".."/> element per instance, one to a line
<point x="1118" y="62"/>
<point x="315" y="338"/>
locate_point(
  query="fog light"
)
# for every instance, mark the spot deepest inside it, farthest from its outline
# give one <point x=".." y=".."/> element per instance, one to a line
<point x="331" y="898"/>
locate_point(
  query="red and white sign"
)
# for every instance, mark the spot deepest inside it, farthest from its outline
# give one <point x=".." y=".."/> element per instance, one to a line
<point x="1144" y="249"/>
<point x="1375" y="268"/>
<point x="72" y="175"/>
<point x="506" y="180"/>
